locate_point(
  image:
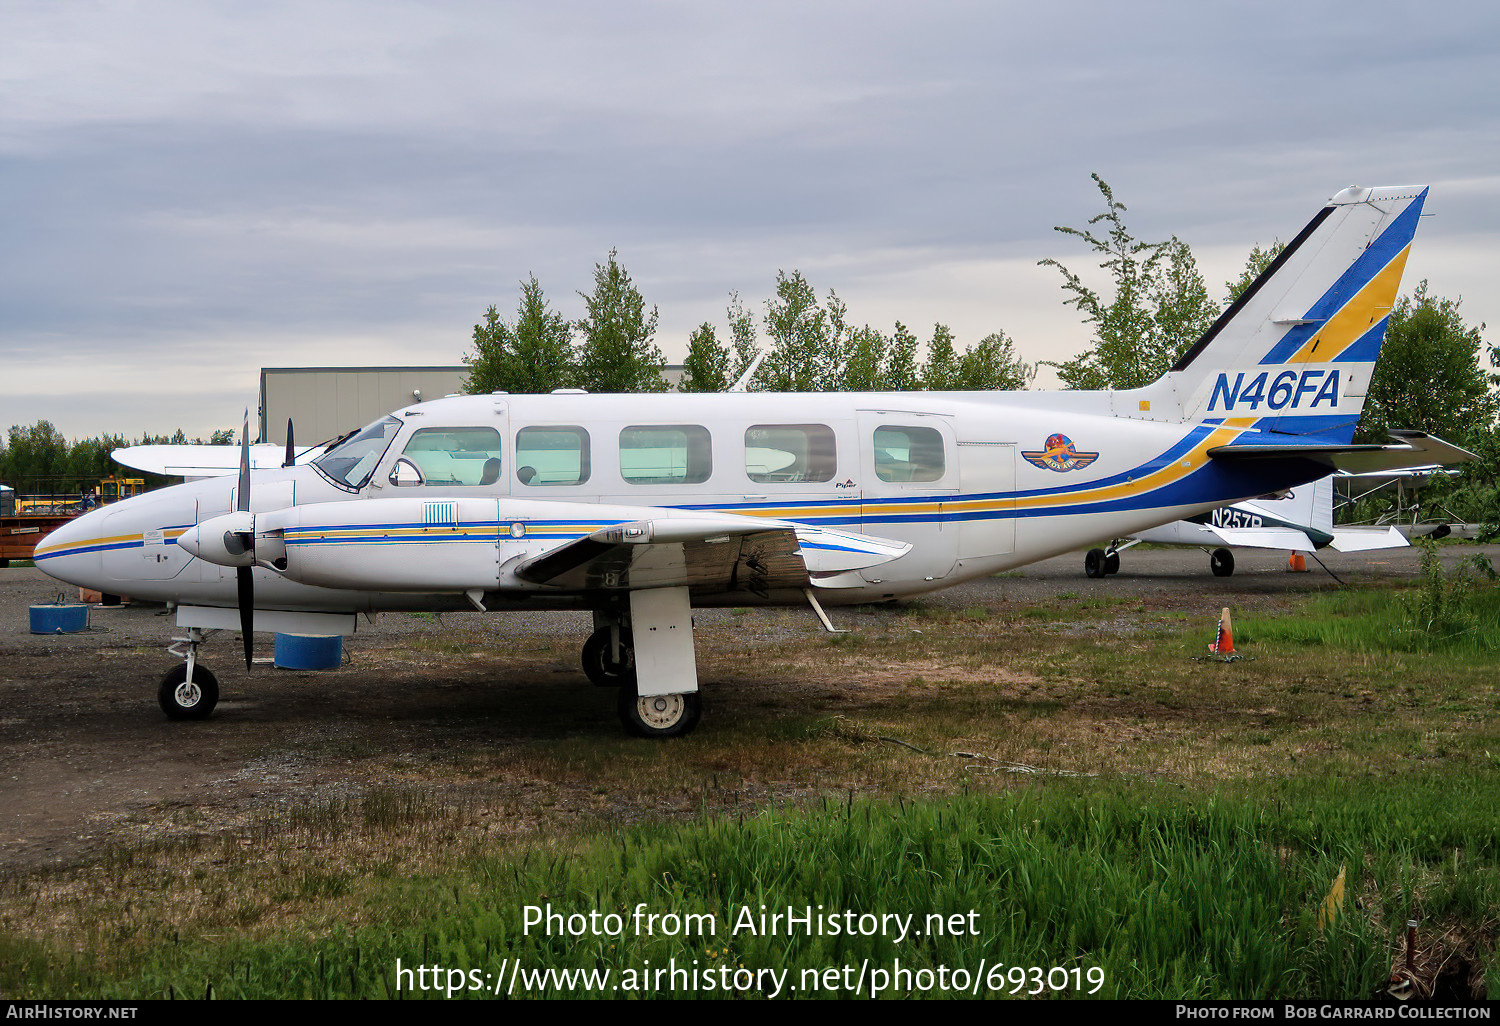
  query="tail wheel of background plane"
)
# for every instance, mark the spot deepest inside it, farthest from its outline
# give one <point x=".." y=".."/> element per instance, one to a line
<point x="1093" y="563"/>
<point x="603" y="670"/>
<point x="1221" y="562"/>
<point x="659" y="715"/>
<point x="182" y="699"/>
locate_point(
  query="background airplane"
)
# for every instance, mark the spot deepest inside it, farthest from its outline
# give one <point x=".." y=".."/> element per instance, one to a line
<point x="1299" y="520"/>
<point x="639" y="507"/>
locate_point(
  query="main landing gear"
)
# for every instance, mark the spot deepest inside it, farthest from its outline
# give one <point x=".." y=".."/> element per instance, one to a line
<point x="669" y="703"/>
<point x="1099" y="563"/>
<point x="188" y="691"/>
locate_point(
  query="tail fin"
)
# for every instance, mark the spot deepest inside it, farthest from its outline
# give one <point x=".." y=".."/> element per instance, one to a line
<point x="1294" y="354"/>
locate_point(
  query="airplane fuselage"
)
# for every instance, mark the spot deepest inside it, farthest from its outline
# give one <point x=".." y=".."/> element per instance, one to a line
<point x="976" y="483"/>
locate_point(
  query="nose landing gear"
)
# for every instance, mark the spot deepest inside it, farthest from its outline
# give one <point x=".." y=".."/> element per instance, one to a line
<point x="188" y="691"/>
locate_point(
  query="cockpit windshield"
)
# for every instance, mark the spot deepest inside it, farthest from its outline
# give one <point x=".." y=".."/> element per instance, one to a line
<point x="351" y="461"/>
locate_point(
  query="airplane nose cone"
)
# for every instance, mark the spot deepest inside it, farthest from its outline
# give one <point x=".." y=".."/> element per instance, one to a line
<point x="73" y="553"/>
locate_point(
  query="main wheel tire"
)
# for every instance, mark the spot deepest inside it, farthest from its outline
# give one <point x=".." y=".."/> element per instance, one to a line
<point x="1112" y="563"/>
<point x="659" y="716"/>
<point x="1093" y="563"/>
<point x="182" y="699"/>
<point x="1221" y="562"/>
<point x="598" y="666"/>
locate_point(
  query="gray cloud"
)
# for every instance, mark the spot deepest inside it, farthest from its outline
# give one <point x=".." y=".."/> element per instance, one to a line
<point x="208" y="190"/>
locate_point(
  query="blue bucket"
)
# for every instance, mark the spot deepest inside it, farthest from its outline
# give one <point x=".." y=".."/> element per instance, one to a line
<point x="309" y="651"/>
<point x="59" y="618"/>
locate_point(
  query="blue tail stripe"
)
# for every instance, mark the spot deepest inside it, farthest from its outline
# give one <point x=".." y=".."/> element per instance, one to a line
<point x="1391" y="242"/>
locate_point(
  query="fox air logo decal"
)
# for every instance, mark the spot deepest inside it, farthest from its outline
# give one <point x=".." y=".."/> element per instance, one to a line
<point x="1059" y="454"/>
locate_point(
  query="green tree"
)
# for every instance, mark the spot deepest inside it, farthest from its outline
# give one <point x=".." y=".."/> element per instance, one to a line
<point x="941" y="371"/>
<point x="864" y="370"/>
<point x="809" y="341"/>
<point x="741" y="338"/>
<point x="1158" y="309"/>
<point x="994" y="365"/>
<point x="901" y="373"/>
<point x="1255" y="264"/>
<point x="618" y="352"/>
<point x="706" y="368"/>
<point x="533" y="355"/>
<point x="1429" y="376"/>
<point x="38" y="450"/>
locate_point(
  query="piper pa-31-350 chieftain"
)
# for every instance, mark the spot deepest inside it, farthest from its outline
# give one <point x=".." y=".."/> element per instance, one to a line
<point x="639" y="507"/>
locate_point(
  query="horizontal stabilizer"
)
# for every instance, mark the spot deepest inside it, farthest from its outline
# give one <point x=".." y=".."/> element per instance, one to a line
<point x="1288" y="538"/>
<point x="1364" y="539"/>
<point x="1414" y="449"/>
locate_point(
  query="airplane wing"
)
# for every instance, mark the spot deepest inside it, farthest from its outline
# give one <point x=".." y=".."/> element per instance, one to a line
<point x="709" y="554"/>
<point x="1414" y="449"/>
<point x="200" y="461"/>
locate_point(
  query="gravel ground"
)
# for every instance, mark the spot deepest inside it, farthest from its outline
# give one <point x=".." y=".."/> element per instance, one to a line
<point x="86" y="757"/>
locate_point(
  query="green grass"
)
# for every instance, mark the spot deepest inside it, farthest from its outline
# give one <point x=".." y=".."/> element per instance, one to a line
<point x="1219" y="803"/>
<point x="1169" y="894"/>
<point x="1379" y="621"/>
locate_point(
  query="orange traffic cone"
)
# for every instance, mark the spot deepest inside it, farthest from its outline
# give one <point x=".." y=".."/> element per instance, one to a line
<point x="1297" y="564"/>
<point x="1223" y="646"/>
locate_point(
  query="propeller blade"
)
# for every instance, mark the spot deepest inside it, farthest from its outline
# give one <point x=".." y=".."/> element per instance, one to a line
<point x="291" y="450"/>
<point x="246" y="588"/>
<point x="242" y="497"/>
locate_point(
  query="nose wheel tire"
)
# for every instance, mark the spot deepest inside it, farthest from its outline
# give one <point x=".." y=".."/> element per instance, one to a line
<point x="659" y="715"/>
<point x="603" y="670"/>
<point x="183" y="699"/>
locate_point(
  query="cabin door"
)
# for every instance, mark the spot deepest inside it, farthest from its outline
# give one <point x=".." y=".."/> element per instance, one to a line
<point x="909" y="470"/>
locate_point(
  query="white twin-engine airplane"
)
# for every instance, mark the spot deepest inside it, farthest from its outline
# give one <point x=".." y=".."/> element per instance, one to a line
<point x="640" y="507"/>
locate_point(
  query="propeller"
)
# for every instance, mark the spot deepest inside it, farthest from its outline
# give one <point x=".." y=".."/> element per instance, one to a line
<point x="245" y="583"/>
<point x="291" y="450"/>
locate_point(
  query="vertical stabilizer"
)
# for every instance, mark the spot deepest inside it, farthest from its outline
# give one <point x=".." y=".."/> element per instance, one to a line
<point x="1293" y="355"/>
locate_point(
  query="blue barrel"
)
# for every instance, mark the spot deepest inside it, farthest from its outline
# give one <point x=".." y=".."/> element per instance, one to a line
<point x="59" y="618"/>
<point x="309" y="651"/>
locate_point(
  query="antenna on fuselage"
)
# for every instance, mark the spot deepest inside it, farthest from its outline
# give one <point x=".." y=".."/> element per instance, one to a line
<point x="743" y="384"/>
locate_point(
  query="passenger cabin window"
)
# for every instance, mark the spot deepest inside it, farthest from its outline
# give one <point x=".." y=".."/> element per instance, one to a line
<point x="908" y="454"/>
<point x="464" y="456"/>
<point x="783" y="453"/>
<point x="668" y="454"/>
<point x="552" y="456"/>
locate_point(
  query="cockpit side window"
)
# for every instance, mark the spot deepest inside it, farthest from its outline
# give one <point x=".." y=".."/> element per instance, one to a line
<point x="350" y="462"/>
<point x="461" y="456"/>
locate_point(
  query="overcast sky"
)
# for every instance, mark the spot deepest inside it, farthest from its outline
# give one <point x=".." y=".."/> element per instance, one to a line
<point x="190" y="192"/>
